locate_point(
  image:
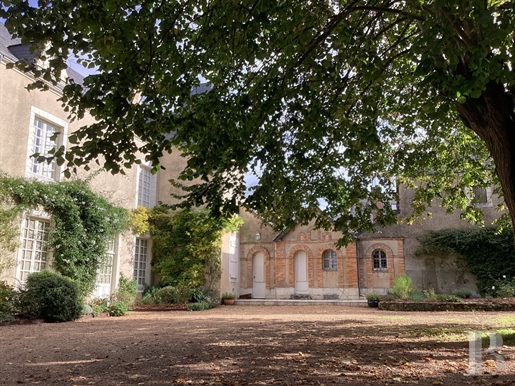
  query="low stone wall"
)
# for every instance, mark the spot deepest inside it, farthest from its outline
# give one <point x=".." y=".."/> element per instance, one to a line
<point x="445" y="306"/>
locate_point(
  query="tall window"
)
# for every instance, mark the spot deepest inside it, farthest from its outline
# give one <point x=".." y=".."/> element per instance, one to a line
<point x="34" y="252"/>
<point x="379" y="259"/>
<point x="140" y="262"/>
<point x="42" y="143"/>
<point x="329" y="262"/>
<point x="146" y="183"/>
<point x="105" y="273"/>
<point x="43" y="127"/>
<point x="480" y="195"/>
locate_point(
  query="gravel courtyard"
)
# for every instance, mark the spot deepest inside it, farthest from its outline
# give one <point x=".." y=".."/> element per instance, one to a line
<point x="256" y="345"/>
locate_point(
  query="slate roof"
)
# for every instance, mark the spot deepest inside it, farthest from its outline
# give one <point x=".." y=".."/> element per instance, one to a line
<point x="13" y="49"/>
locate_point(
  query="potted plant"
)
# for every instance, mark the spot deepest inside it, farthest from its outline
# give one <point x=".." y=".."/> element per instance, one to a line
<point x="372" y="300"/>
<point x="228" y="298"/>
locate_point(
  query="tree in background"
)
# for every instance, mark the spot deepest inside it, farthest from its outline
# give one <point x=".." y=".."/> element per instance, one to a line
<point x="320" y="100"/>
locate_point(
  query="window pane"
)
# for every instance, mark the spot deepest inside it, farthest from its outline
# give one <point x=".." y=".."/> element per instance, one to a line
<point x="42" y="143"/>
<point x="379" y="259"/>
<point x="140" y="261"/>
<point x="144" y="187"/>
<point x="329" y="261"/>
<point x="34" y="253"/>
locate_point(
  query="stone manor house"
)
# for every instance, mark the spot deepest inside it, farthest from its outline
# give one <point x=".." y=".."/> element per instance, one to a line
<point x="302" y="262"/>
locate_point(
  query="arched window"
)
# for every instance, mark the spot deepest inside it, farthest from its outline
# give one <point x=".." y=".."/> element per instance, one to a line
<point x="379" y="259"/>
<point x="329" y="262"/>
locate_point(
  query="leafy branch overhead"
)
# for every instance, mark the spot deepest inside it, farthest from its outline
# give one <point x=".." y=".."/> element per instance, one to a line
<point x="320" y="100"/>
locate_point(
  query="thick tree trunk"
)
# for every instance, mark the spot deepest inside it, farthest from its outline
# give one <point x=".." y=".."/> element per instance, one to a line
<point x="491" y="116"/>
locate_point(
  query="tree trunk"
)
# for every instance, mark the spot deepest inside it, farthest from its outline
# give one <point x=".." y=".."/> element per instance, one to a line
<point x="492" y="118"/>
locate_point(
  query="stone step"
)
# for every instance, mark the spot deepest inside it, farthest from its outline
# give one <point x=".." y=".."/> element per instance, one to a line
<point x="295" y="302"/>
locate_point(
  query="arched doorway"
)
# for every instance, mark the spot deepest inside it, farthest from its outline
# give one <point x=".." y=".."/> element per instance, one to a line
<point x="301" y="272"/>
<point x="259" y="279"/>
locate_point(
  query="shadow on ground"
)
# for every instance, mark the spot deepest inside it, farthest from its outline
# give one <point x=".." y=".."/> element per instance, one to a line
<point x="224" y="347"/>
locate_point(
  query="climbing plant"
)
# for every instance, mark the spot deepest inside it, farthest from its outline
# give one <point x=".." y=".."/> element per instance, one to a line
<point x="83" y="222"/>
<point x="488" y="253"/>
<point x="186" y="245"/>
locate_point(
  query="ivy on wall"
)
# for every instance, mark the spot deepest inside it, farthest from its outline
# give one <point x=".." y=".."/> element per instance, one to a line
<point x="488" y="253"/>
<point x="185" y="244"/>
<point x="83" y="222"/>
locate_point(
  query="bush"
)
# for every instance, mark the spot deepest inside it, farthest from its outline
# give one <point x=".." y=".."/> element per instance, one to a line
<point x="127" y="292"/>
<point x="151" y="295"/>
<point x="52" y="297"/>
<point x="402" y="287"/>
<point x="87" y="309"/>
<point x="372" y="297"/>
<point x="199" y="306"/>
<point x="7" y="295"/>
<point x="463" y="293"/>
<point x="167" y="294"/>
<point x="447" y="298"/>
<point x="6" y="317"/>
<point x="417" y="296"/>
<point x="182" y="294"/>
<point x="99" y="306"/>
<point x="118" y="309"/>
<point x="430" y="294"/>
<point x="504" y="288"/>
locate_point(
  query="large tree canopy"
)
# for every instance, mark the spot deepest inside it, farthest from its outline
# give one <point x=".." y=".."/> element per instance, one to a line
<point x="329" y="103"/>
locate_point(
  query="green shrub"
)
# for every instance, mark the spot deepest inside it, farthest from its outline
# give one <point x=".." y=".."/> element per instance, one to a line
<point x="167" y="294"/>
<point x="118" y="308"/>
<point x="7" y="295"/>
<point x="430" y="294"/>
<point x="51" y="297"/>
<point x="151" y="295"/>
<point x="182" y="294"/>
<point x="127" y="292"/>
<point x="6" y="317"/>
<point x="87" y="309"/>
<point x="199" y="306"/>
<point x="99" y="306"/>
<point x="417" y="296"/>
<point x="402" y="287"/>
<point x="372" y="297"/>
<point x="463" y="293"/>
<point x="197" y="295"/>
<point x="504" y="288"/>
<point x="447" y="298"/>
<point x="228" y="295"/>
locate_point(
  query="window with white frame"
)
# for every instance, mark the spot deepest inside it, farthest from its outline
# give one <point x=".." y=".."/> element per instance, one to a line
<point x="379" y="259"/>
<point x="105" y="272"/>
<point x="44" y="128"/>
<point x="140" y="262"/>
<point x="146" y="187"/>
<point x="34" y="250"/>
<point x="329" y="262"/>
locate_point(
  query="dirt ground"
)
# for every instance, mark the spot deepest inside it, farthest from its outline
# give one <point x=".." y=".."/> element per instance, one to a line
<point x="256" y="345"/>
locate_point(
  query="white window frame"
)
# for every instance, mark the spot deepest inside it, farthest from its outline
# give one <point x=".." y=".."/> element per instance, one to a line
<point x="141" y="262"/>
<point x="39" y="257"/>
<point x="50" y="125"/>
<point x="104" y="279"/>
<point x="329" y="260"/>
<point x="147" y="187"/>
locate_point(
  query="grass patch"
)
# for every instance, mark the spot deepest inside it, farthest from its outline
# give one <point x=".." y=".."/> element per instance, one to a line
<point x="506" y="320"/>
<point x="508" y="336"/>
